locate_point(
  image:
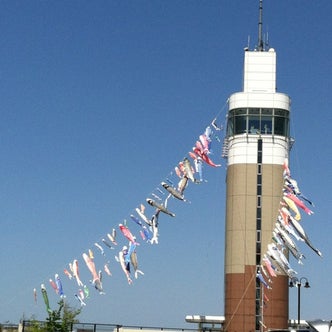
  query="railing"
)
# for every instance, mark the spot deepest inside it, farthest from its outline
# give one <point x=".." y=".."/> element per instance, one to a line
<point x="29" y="326"/>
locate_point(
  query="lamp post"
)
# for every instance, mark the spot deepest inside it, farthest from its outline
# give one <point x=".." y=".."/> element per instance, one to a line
<point x="295" y="282"/>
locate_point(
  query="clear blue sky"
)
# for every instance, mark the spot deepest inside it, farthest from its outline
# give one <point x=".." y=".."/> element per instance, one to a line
<point x="100" y="100"/>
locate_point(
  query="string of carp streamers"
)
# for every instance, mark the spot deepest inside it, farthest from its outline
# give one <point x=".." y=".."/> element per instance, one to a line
<point x="189" y="171"/>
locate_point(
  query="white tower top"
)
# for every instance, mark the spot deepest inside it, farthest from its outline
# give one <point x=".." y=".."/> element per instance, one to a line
<point x="259" y="71"/>
<point x="258" y="111"/>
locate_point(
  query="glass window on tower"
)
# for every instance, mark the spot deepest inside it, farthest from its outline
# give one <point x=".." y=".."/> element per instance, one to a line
<point x="266" y="121"/>
<point x="240" y="124"/>
<point x="230" y="126"/>
<point x="266" y="125"/>
<point x="279" y="126"/>
<point x="281" y="122"/>
<point x="261" y="121"/>
<point x="254" y="124"/>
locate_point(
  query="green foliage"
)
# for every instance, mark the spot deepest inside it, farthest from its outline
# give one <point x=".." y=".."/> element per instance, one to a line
<point x="34" y="326"/>
<point x="59" y="320"/>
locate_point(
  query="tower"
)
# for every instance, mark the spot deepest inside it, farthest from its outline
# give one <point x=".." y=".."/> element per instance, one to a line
<point x="257" y="142"/>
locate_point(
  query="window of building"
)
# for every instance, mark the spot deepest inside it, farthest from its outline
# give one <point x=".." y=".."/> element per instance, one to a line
<point x="259" y="201"/>
<point x="263" y="121"/>
<point x="254" y="124"/>
<point x="240" y="125"/>
<point x="280" y="126"/>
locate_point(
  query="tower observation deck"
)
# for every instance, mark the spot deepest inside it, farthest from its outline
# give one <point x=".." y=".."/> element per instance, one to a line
<point x="258" y="141"/>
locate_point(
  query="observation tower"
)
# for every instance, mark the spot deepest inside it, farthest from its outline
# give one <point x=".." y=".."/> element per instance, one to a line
<point x="256" y="145"/>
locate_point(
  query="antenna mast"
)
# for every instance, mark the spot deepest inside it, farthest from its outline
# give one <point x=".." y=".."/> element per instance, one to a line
<point x="260" y="25"/>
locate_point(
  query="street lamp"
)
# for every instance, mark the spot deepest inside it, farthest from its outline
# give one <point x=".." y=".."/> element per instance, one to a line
<point x="295" y="282"/>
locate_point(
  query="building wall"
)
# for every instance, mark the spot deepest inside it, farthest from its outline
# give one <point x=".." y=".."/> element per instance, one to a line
<point x="240" y="245"/>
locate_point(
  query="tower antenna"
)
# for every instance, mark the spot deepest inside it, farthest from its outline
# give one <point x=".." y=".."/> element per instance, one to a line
<point x="260" y="26"/>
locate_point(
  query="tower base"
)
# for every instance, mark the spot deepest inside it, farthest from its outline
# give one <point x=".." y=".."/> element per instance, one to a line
<point x="240" y="310"/>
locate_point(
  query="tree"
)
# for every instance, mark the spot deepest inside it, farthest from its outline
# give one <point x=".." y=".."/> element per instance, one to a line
<point x="60" y="320"/>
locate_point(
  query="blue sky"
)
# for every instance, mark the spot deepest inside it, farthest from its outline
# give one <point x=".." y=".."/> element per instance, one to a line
<point x="99" y="102"/>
